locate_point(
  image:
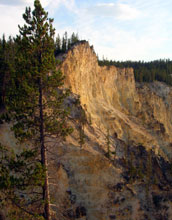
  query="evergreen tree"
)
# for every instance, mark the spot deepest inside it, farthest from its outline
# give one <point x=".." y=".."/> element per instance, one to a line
<point x="58" y="45"/>
<point x="74" y="38"/>
<point x="20" y="179"/>
<point x="82" y="122"/>
<point x="35" y="100"/>
<point x="69" y="43"/>
<point x="160" y="70"/>
<point x="108" y="154"/>
<point x="7" y="54"/>
<point x="64" y="42"/>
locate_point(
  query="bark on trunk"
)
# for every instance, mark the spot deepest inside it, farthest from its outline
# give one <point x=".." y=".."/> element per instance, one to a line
<point x="46" y="194"/>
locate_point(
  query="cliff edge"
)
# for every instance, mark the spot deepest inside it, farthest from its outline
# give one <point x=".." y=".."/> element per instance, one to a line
<point x="122" y="169"/>
<point x="139" y="113"/>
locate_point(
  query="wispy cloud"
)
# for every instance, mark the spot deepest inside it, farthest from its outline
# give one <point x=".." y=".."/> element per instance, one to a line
<point x="11" y="12"/>
<point x="118" y="10"/>
<point x="53" y="5"/>
<point x="11" y="15"/>
<point x="15" y="2"/>
<point x="10" y="19"/>
<point x="128" y="29"/>
<point x="118" y="29"/>
<point x="45" y="3"/>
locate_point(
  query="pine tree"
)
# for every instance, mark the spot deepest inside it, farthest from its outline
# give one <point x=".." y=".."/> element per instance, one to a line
<point x="108" y="145"/>
<point x="69" y="43"/>
<point x="74" y="38"/>
<point x="58" y="45"/>
<point x="64" y="42"/>
<point x="2" y="69"/>
<point x="82" y="122"/>
<point x="35" y="100"/>
<point x="7" y="54"/>
<point x="21" y="176"/>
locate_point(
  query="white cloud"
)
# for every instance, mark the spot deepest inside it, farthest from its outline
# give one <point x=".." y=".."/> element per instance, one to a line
<point x="126" y="12"/>
<point x="9" y="19"/>
<point x="15" y="2"/>
<point x="128" y="29"/>
<point x="45" y="3"/>
<point x="122" y="44"/>
<point x="53" y="5"/>
<point x="117" y="10"/>
<point x="11" y="12"/>
<point x="119" y="31"/>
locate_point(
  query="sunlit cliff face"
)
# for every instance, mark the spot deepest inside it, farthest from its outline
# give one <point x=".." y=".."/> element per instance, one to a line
<point x="139" y="113"/>
<point x="129" y="176"/>
<point x="122" y="170"/>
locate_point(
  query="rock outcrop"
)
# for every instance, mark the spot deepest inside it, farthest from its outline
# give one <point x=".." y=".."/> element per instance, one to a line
<point x="123" y="169"/>
<point x="114" y="101"/>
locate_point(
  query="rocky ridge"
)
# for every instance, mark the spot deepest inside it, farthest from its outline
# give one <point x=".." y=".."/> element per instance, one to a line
<point x="114" y="101"/>
<point x="123" y="169"/>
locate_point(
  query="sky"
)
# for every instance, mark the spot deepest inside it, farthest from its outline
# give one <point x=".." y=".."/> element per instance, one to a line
<point x="118" y="29"/>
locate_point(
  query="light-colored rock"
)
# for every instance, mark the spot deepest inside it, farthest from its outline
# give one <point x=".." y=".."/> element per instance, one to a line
<point x="134" y="182"/>
<point x="112" y="101"/>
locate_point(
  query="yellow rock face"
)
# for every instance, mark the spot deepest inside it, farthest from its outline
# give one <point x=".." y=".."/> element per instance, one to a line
<point x="134" y="181"/>
<point x="112" y="100"/>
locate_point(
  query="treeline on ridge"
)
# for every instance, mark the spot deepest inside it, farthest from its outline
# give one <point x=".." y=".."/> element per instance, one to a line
<point x="8" y="52"/>
<point x="63" y="44"/>
<point x="159" y="70"/>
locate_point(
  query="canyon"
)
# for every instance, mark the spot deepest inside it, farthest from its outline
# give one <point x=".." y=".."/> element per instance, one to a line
<point x="123" y="168"/>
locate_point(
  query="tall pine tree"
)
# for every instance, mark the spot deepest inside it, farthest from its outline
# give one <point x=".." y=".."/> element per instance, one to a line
<point x="7" y="54"/>
<point x="35" y="99"/>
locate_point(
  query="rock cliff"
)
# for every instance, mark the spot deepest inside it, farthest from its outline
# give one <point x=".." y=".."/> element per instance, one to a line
<point x="139" y="113"/>
<point x="123" y="169"/>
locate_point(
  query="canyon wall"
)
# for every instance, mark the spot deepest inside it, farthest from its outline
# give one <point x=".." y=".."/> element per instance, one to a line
<point x="123" y="169"/>
<point x="139" y="113"/>
<point x="131" y="180"/>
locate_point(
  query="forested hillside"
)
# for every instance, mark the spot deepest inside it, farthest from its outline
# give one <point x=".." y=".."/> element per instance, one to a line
<point x="8" y="57"/>
<point x="32" y="100"/>
<point x="159" y="70"/>
<point x="78" y="140"/>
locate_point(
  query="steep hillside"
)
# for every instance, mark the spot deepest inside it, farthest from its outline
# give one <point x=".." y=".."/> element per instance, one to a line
<point x="130" y="181"/>
<point x="138" y="113"/>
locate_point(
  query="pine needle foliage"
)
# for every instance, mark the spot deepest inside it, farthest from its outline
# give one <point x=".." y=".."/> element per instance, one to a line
<point x="34" y="102"/>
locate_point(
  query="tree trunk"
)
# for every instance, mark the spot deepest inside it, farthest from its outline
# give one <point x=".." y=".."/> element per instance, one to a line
<point x="46" y="194"/>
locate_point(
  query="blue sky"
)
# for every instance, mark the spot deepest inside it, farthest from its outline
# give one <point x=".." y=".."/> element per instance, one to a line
<point x="118" y="29"/>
